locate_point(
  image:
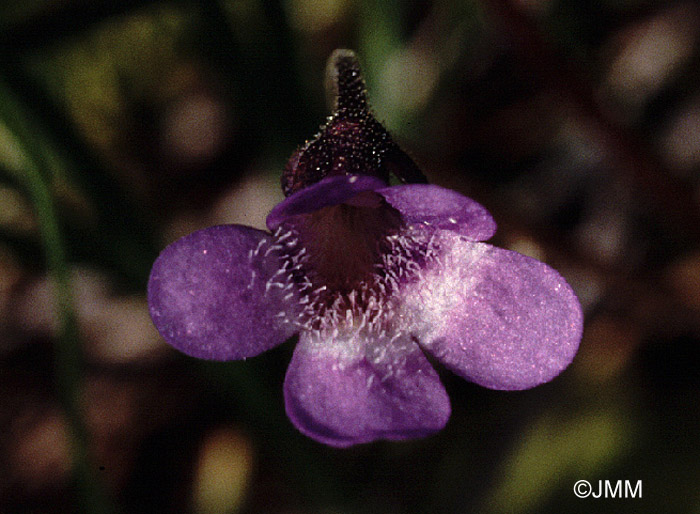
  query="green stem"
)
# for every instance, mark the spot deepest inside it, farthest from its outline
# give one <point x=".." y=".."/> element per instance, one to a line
<point x="128" y="248"/>
<point x="36" y="178"/>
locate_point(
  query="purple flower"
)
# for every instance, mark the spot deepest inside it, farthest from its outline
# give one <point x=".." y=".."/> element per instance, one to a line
<point x="372" y="278"/>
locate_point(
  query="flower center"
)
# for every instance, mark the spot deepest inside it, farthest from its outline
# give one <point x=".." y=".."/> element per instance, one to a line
<point x="347" y="264"/>
<point x="347" y="261"/>
<point x="345" y="243"/>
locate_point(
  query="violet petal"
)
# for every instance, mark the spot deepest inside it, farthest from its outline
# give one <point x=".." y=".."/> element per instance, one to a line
<point x="331" y="190"/>
<point x="441" y="208"/>
<point x="209" y="295"/>
<point x="495" y="317"/>
<point x="344" y="392"/>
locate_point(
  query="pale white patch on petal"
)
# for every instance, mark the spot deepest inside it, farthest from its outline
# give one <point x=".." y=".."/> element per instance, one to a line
<point x="443" y="284"/>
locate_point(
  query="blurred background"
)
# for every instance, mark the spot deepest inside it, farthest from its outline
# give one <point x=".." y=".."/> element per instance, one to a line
<point x="124" y="125"/>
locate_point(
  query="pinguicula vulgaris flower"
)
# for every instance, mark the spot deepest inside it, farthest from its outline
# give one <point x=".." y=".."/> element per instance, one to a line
<point x="372" y="278"/>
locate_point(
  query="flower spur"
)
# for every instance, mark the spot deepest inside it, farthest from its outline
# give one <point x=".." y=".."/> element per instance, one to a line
<point x="372" y="277"/>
